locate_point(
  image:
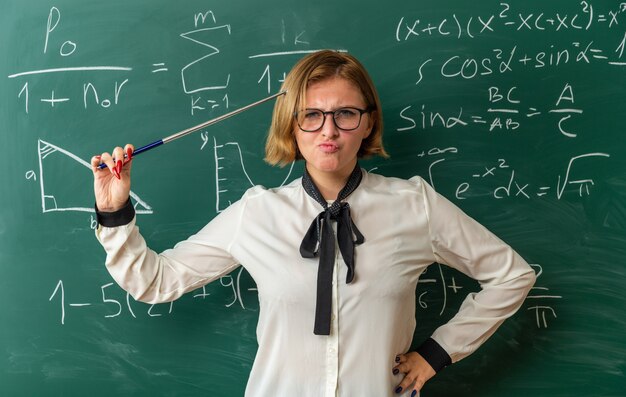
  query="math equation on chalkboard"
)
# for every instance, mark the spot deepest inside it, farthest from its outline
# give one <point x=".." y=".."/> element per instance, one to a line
<point x="473" y="98"/>
<point x="440" y="286"/>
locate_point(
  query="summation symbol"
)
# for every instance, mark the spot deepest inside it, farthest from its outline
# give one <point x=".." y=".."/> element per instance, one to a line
<point x="193" y="36"/>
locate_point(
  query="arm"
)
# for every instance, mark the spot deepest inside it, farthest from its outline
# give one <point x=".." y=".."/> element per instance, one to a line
<point x="148" y="276"/>
<point x="154" y="278"/>
<point x="504" y="276"/>
<point x="505" y="280"/>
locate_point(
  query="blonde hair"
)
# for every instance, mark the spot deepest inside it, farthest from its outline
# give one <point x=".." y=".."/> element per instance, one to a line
<point x="281" y="147"/>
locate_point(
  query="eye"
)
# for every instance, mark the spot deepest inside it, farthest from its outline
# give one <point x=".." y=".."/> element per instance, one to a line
<point x="346" y="113"/>
<point x="311" y="114"/>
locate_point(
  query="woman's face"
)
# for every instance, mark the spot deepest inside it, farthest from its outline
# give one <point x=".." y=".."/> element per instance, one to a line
<point x="330" y="150"/>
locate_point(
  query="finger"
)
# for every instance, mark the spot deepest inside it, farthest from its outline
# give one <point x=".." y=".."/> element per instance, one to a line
<point x="107" y="159"/>
<point x="118" y="154"/>
<point x="401" y="358"/>
<point x="419" y="383"/>
<point x="95" y="163"/>
<point x="128" y="150"/>
<point x="118" y="159"/>
<point x="413" y="379"/>
<point x="405" y="368"/>
<point x="415" y="393"/>
<point x="399" y="367"/>
<point x="408" y="382"/>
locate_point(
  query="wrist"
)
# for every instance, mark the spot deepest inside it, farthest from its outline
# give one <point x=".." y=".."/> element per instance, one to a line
<point x="112" y="217"/>
<point x="434" y="354"/>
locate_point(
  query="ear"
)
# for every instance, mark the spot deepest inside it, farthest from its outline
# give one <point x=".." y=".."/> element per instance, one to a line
<point x="372" y="116"/>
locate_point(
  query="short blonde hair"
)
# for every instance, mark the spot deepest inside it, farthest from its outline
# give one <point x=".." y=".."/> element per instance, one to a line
<point x="281" y="147"/>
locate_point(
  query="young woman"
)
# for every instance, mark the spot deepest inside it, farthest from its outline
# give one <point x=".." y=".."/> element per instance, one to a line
<point x="336" y="254"/>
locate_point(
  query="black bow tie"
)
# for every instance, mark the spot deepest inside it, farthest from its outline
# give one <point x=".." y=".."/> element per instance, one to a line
<point x="320" y="238"/>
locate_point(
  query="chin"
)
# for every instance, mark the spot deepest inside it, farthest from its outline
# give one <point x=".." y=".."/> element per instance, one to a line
<point x="328" y="165"/>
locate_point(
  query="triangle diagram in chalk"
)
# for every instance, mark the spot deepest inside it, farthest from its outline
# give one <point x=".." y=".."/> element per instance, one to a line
<point x="64" y="189"/>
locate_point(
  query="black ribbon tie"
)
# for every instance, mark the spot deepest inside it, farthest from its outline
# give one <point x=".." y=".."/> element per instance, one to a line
<point x="320" y="240"/>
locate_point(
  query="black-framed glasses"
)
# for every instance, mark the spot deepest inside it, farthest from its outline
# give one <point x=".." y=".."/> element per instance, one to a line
<point x="346" y="119"/>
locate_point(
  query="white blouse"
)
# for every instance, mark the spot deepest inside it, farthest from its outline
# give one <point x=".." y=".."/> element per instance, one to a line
<point x="407" y="226"/>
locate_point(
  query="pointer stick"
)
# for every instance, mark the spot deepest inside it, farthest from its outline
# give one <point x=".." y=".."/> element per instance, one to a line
<point x="188" y="131"/>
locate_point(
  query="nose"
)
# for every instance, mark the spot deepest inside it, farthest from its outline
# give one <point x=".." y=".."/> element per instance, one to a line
<point x="329" y="129"/>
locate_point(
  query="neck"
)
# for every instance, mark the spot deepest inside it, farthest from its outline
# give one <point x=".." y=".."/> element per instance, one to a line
<point x="330" y="183"/>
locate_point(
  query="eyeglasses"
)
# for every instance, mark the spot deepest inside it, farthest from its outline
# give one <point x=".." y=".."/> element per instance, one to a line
<point x="346" y="119"/>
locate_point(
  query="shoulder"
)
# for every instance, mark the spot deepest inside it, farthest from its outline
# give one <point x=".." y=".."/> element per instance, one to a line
<point x="393" y="185"/>
<point x="261" y="193"/>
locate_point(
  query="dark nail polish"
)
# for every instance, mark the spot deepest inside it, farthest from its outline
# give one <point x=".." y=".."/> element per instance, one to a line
<point x="397" y="359"/>
<point x="414" y="393"/>
<point x="398" y="390"/>
<point x="395" y="371"/>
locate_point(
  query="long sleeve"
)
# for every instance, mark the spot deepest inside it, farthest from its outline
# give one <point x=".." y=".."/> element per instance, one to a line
<point x="153" y="278"/>
<point x="505" y="278"/>
<point x="263" y="231"/>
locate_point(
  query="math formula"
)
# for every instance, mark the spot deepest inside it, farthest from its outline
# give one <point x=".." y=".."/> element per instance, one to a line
<point x="498" y="105"/>
<point x="114" y="302"/>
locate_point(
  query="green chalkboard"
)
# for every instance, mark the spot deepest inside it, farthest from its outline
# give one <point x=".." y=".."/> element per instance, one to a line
<point x="512" y="109"/>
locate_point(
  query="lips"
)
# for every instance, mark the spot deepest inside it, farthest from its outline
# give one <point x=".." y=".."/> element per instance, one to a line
<point x="328" y="147"/>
